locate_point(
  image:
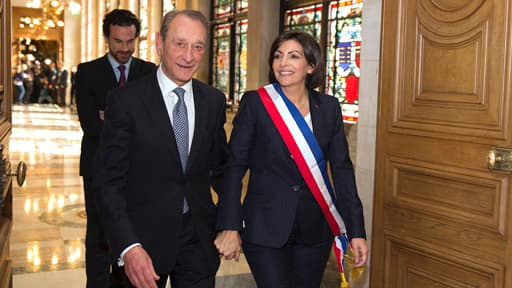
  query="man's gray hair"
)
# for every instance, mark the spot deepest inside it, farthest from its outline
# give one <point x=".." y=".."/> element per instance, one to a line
<point x="192" y="14"/>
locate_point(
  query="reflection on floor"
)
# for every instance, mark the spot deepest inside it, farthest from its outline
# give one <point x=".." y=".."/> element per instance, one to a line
<point x="47" y="242"/>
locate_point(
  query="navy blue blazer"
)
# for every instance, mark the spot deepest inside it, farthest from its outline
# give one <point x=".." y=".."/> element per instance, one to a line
<point x="94" y="79"/>
<point x="140" y="185"/>
<point x="276" y="194"/>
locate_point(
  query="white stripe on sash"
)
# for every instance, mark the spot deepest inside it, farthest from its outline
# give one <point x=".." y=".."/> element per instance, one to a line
<point x="312" y="163"/>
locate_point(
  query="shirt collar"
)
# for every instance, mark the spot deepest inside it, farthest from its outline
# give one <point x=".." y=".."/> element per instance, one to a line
<point x="114" y="63"/>
<point x="167" y="85"/>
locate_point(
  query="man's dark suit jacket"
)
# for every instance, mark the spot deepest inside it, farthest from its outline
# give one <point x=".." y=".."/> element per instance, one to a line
<point x="94" y="80"/>
<point x="277" y="195"/>
<point x="62" y="79"/>
<point x="140" y="184"/>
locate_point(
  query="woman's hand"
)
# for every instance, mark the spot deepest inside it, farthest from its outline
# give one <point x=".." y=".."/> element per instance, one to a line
<point x="229" y="243"/>
<point x="360" y="249"/>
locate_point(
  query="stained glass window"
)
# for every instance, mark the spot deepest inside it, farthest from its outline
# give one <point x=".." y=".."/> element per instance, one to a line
<point x="339" y="35"/>
<point x="223" y="8"/>
<point x="221" y="57"/>
<point x="229" y="49"/>
<point x="241" y="6"/>
<point x="343" y="55"/>
<point x="241" y="59"/>
<point x="168" y="5"/>
<point x="307" y="19"/>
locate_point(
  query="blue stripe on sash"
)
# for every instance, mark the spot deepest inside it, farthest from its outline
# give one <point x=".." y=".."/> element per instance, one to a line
<point x="310" y="139"/>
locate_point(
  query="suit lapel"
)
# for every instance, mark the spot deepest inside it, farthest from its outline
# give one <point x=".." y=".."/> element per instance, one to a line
<point x="109" y="72"/>
<point x="134" y="69"/>
<point x="201" y="114"/>
<point x="316" y="114"/>
<point x="155" y="105"/>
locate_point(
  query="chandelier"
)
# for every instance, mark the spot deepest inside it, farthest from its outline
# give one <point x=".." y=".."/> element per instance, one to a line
<point x="51" y="13"/>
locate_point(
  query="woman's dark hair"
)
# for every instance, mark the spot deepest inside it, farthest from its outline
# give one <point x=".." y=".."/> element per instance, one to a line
<point x="312" y="53"/>
<point x="120" y="17"/>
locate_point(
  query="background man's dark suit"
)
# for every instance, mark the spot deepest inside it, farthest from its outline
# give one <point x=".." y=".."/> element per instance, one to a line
<point x="94" y="80"/>
<point x="140" y="183"/>
<point x="61" y="85"/>
<point x="278" y="202"/>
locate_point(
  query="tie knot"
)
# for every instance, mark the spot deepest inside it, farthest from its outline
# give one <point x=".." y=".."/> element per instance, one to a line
<point x="121" y="67"/>
<point x="180" y="92"/>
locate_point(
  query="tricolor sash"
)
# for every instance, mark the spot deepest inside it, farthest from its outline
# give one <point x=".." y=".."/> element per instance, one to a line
<point x="308" y="156"/>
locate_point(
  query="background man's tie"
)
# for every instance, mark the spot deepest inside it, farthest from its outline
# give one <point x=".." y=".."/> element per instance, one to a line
<point x="180" y="127"/>
<point x="122" y="78"/>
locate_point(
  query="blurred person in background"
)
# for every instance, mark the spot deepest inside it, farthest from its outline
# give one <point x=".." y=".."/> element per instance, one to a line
<point x="94" y="80"/>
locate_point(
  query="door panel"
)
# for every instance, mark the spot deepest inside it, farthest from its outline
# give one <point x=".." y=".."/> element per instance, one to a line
<point x="418" y="269"/>
<point x="5" y="129"/>
<point x="442" y="218"/>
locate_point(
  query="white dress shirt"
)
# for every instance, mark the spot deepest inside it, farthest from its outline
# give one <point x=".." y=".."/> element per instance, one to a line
<point x="170" y="98"/>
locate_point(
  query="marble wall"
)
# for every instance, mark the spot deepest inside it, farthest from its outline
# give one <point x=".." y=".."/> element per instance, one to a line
<point x="368" y="100"/>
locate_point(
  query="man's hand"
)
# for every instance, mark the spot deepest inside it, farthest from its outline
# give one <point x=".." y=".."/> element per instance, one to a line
<point x="228" y="243"/>
<point x="102" y="115"/>
<point x="360" y="249"/>
<point x="139" y="268"/>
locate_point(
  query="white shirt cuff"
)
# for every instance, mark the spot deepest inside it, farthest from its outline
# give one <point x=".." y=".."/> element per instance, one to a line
<point x="120" y="260"/>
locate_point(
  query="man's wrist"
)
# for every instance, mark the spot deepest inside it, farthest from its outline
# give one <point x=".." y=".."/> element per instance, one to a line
<point x="120" y="260"/>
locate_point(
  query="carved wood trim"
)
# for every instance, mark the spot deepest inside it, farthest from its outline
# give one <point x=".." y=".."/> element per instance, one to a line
<point x="456" y="193"/>
<point x="6" y="274"/>
<point x="7" y="189"/>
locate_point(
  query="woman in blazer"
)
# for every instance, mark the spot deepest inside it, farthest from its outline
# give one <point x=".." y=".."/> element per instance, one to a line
<point x="286" y="237"/>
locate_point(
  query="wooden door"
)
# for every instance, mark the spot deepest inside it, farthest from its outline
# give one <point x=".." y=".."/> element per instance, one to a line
<point x="442" y="218"/>
<point x="5" y="129"/>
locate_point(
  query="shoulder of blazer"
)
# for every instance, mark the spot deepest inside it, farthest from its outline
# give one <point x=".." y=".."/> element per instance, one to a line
<point x="95" y="67"/>
<point x="204" y="89"/>
<point x="250" y="95"/>
<point x="144" y="88"/>
<point x="144" y="83"/>
<point x="142" y="65"/>
<point x="322" y="99"/>
<point x="101" y="61"/>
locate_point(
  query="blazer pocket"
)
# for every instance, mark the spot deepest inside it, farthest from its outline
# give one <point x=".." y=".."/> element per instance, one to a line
<point x="257" y="201"/>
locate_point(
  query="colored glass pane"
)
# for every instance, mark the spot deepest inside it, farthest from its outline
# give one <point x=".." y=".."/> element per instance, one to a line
<point x="223" y="8"/>
<point x="221" y="53"/>
<point x="242" y="6"/>
<point x="241" y="59"/>
<point x="343" y="55"/>
<point x="307" y="19"/>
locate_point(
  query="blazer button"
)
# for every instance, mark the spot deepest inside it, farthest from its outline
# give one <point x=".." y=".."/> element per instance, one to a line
<point x="296" y="188"/>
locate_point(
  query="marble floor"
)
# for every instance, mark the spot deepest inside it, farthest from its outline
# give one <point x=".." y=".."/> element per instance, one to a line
<point x="47" y="241"/>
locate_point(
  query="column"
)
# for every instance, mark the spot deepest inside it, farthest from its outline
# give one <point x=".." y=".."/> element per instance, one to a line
<point x="72" y="47"/>
<point x="367" y="125"/>
<point x="260" y="35"/>
<point x="155" y="19"/>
